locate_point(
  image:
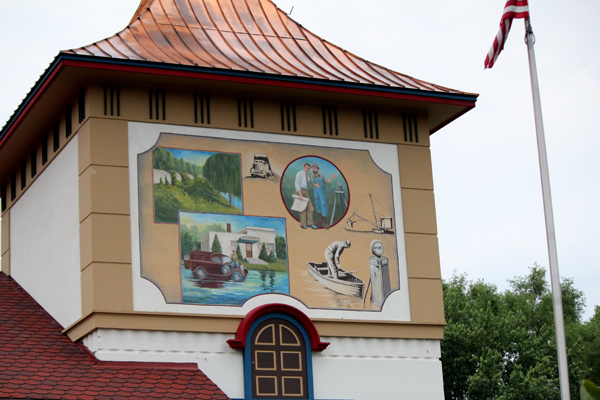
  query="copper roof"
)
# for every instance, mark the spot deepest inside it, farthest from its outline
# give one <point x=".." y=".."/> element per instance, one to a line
<point x="241" y="35"/>
<point x="37" y="361"/>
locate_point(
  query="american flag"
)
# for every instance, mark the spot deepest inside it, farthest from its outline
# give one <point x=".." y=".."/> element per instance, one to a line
<point x="512" y="9"/>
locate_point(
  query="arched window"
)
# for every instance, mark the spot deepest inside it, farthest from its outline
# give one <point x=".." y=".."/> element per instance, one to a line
<point x="278" y="341"/>
<point x="278" y="361"/>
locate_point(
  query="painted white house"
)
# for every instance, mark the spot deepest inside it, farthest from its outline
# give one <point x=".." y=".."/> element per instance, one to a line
<point x="249" y="239"/>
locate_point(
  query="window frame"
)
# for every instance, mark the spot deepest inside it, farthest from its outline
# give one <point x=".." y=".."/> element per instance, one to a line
<point x="308" y="347"/>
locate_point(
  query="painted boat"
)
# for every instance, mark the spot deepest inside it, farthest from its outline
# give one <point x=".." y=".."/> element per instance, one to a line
<point x="346" y="283"/>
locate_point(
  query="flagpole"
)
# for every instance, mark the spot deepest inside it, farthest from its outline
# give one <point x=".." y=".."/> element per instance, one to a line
<point x="559" y="323"/>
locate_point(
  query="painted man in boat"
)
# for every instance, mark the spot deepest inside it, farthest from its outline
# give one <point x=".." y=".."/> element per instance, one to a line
<point x="301" y="185"/>
<point x="319" y="182"/>
<point x="332" y="255"/>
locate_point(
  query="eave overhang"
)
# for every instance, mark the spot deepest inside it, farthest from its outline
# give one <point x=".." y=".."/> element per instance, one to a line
<point x="69" y="73"/>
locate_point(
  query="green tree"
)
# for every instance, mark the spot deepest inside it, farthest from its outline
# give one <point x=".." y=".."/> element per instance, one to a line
<point x="280" y="247"/>
<point x="238" y="251"/>
<point x="163" y="159"/>
<point x="590" y="336"/>
<point x="216" y="245"/>
<point x="187" y="241"/>
<point x="272" y="256"/>
<point x="223" y="171"/>
<point x="502" y="345"/>
<point x="263" y="253"/>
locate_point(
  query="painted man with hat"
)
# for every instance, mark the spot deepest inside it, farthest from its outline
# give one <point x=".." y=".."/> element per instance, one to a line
<point x="319" y="182"/>
<point x="301" y="184"/>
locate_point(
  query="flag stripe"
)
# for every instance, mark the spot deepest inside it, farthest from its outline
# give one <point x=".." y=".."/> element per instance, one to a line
<point x="513" y="9"/>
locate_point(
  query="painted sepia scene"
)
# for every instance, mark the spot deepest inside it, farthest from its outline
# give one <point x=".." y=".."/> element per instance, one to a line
<point x="227" y="259"/>
<point x="198" y="181"/>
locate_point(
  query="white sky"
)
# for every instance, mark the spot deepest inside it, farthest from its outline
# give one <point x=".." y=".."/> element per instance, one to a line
<point x="486" y="174"/>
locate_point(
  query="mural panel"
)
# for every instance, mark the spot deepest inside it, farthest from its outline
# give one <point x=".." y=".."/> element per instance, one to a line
<point x="226" y="259"/>
<point x="315" y="192"/>
<point x="315" y="223"/>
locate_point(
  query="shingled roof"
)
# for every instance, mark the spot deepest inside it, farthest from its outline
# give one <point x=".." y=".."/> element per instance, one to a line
<point x="243" y="35"/>
<point x="37" y="361"/>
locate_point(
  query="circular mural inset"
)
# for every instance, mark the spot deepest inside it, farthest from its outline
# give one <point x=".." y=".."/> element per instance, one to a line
<point x="315" y="192"/>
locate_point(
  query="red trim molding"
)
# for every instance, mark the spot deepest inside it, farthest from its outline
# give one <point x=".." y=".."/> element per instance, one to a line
<point x="263" y="82"/>
<point x="239" y="343"/>
<point x="32" y="101"/>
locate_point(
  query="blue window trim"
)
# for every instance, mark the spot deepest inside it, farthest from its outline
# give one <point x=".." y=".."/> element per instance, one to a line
<point x="248" y="355"/>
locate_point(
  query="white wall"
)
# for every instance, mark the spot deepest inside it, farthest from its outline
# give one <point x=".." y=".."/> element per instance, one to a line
<point x="358" y="369"/>
<point x="382" y="369"/>
<point x="44" y="238"/>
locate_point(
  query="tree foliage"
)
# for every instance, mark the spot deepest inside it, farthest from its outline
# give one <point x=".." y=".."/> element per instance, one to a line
<point x="263" y="253"/>
<point x="191" y="235"/>
<point x="501" y="345"/>
<point x="272" y="256"/>
<point x="163" y="159"/>
<point x="280" y="247"/>
<point x="216" y="245"/>
<point x="195" y="195"/>
<point x="239" y="254"/>
<point x="223" y="171"/>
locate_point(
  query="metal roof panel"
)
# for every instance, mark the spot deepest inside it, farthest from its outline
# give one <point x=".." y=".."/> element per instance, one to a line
<point x="246" y="17"/>
<point x="243" y="35"/>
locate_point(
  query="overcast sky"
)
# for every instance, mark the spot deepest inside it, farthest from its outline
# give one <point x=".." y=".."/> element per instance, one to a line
<point x="485" y="164"/>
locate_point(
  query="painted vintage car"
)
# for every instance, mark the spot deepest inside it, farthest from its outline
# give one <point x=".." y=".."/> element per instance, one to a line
<point x="206" y="264"/>
<point x="261" y="166"/>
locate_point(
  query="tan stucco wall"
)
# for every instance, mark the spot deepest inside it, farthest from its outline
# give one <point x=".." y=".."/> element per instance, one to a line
<point x="104" y="204"/>
<point x="5" y="245"/>
<point x="422" y="252"/>
<point x="104" y="215"/>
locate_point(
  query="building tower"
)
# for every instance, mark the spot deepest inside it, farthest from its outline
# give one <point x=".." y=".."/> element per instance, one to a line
<point x="226" y="119"/>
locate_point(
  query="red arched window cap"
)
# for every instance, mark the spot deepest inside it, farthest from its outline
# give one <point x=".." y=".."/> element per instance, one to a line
<point x="240" y="336"/>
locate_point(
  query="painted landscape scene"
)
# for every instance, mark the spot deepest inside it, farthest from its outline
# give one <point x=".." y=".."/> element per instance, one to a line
<point x="227" y="259"/>
<point x="198" y="181"/>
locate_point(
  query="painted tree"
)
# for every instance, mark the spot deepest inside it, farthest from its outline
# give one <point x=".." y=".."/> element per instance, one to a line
<point x="163" y="159"/>
<point x="187" y="241"/>
<point x="216" y="245"/>
<point x="223" y="171"/>
<point x="280" y="247"/>
<point x="263" y="253"/>
<point x="238" y="252"/>
<point x="272" y="256"/>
